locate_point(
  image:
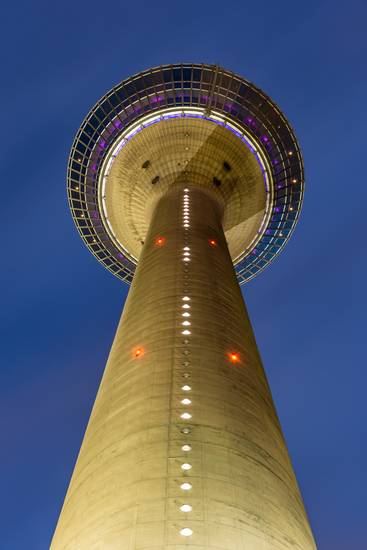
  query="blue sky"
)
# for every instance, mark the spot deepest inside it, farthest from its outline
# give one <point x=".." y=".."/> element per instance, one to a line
<point x="60" y="308"/>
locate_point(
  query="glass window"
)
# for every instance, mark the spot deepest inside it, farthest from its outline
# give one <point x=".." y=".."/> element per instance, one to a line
<point x="196" y="74"/>
<point x="187" y="74"/>
<point x="177" y="74"/>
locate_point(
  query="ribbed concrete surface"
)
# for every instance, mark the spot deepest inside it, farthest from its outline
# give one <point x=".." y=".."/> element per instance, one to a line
<point x="125" y="493"/>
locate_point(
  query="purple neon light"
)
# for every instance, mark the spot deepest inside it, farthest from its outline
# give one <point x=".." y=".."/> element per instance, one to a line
<point x="156" y="99"/>
<point x="251" y="122"/>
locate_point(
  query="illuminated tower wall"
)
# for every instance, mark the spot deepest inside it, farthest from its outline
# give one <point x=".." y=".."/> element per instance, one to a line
<point x="184" y="193"/>
<point x="184" y="388"/>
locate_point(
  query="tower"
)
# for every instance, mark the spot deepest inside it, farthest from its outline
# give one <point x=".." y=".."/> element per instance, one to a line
<point x="185" y="181"/>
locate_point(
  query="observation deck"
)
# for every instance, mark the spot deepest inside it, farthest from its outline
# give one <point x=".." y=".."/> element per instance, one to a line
<point x="185" y="124"/>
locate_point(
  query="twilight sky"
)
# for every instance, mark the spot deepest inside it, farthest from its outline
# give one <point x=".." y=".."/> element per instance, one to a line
<point x="60" y="308"/>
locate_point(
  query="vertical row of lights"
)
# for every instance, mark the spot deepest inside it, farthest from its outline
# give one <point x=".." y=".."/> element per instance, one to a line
<point x="185" y="323"/>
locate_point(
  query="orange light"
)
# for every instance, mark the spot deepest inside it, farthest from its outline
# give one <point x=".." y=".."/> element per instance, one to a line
<point x="234" y="357"/>
<point x="160" y="241"/>
<point x="138" y="352"/>
<point x="213" y="242"/>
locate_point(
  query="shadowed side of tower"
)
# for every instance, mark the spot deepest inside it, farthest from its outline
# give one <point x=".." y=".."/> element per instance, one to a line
<point x="183" y="448"/>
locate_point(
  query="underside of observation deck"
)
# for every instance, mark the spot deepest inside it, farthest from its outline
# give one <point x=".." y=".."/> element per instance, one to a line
<point x="188" y="99"/>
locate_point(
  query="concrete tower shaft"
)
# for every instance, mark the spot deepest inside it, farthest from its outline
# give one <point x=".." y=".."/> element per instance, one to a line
<point x="183" y="448"/>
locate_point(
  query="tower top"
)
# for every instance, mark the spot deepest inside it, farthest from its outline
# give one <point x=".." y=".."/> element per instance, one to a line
<point x="185" y="125"/>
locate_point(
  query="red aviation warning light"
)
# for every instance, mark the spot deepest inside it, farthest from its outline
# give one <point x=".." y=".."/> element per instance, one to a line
<point x="138" y="352"/>
<point x="234" y="357"/>
<point x="213" y="242"/>
<point x="160" y="241"/>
